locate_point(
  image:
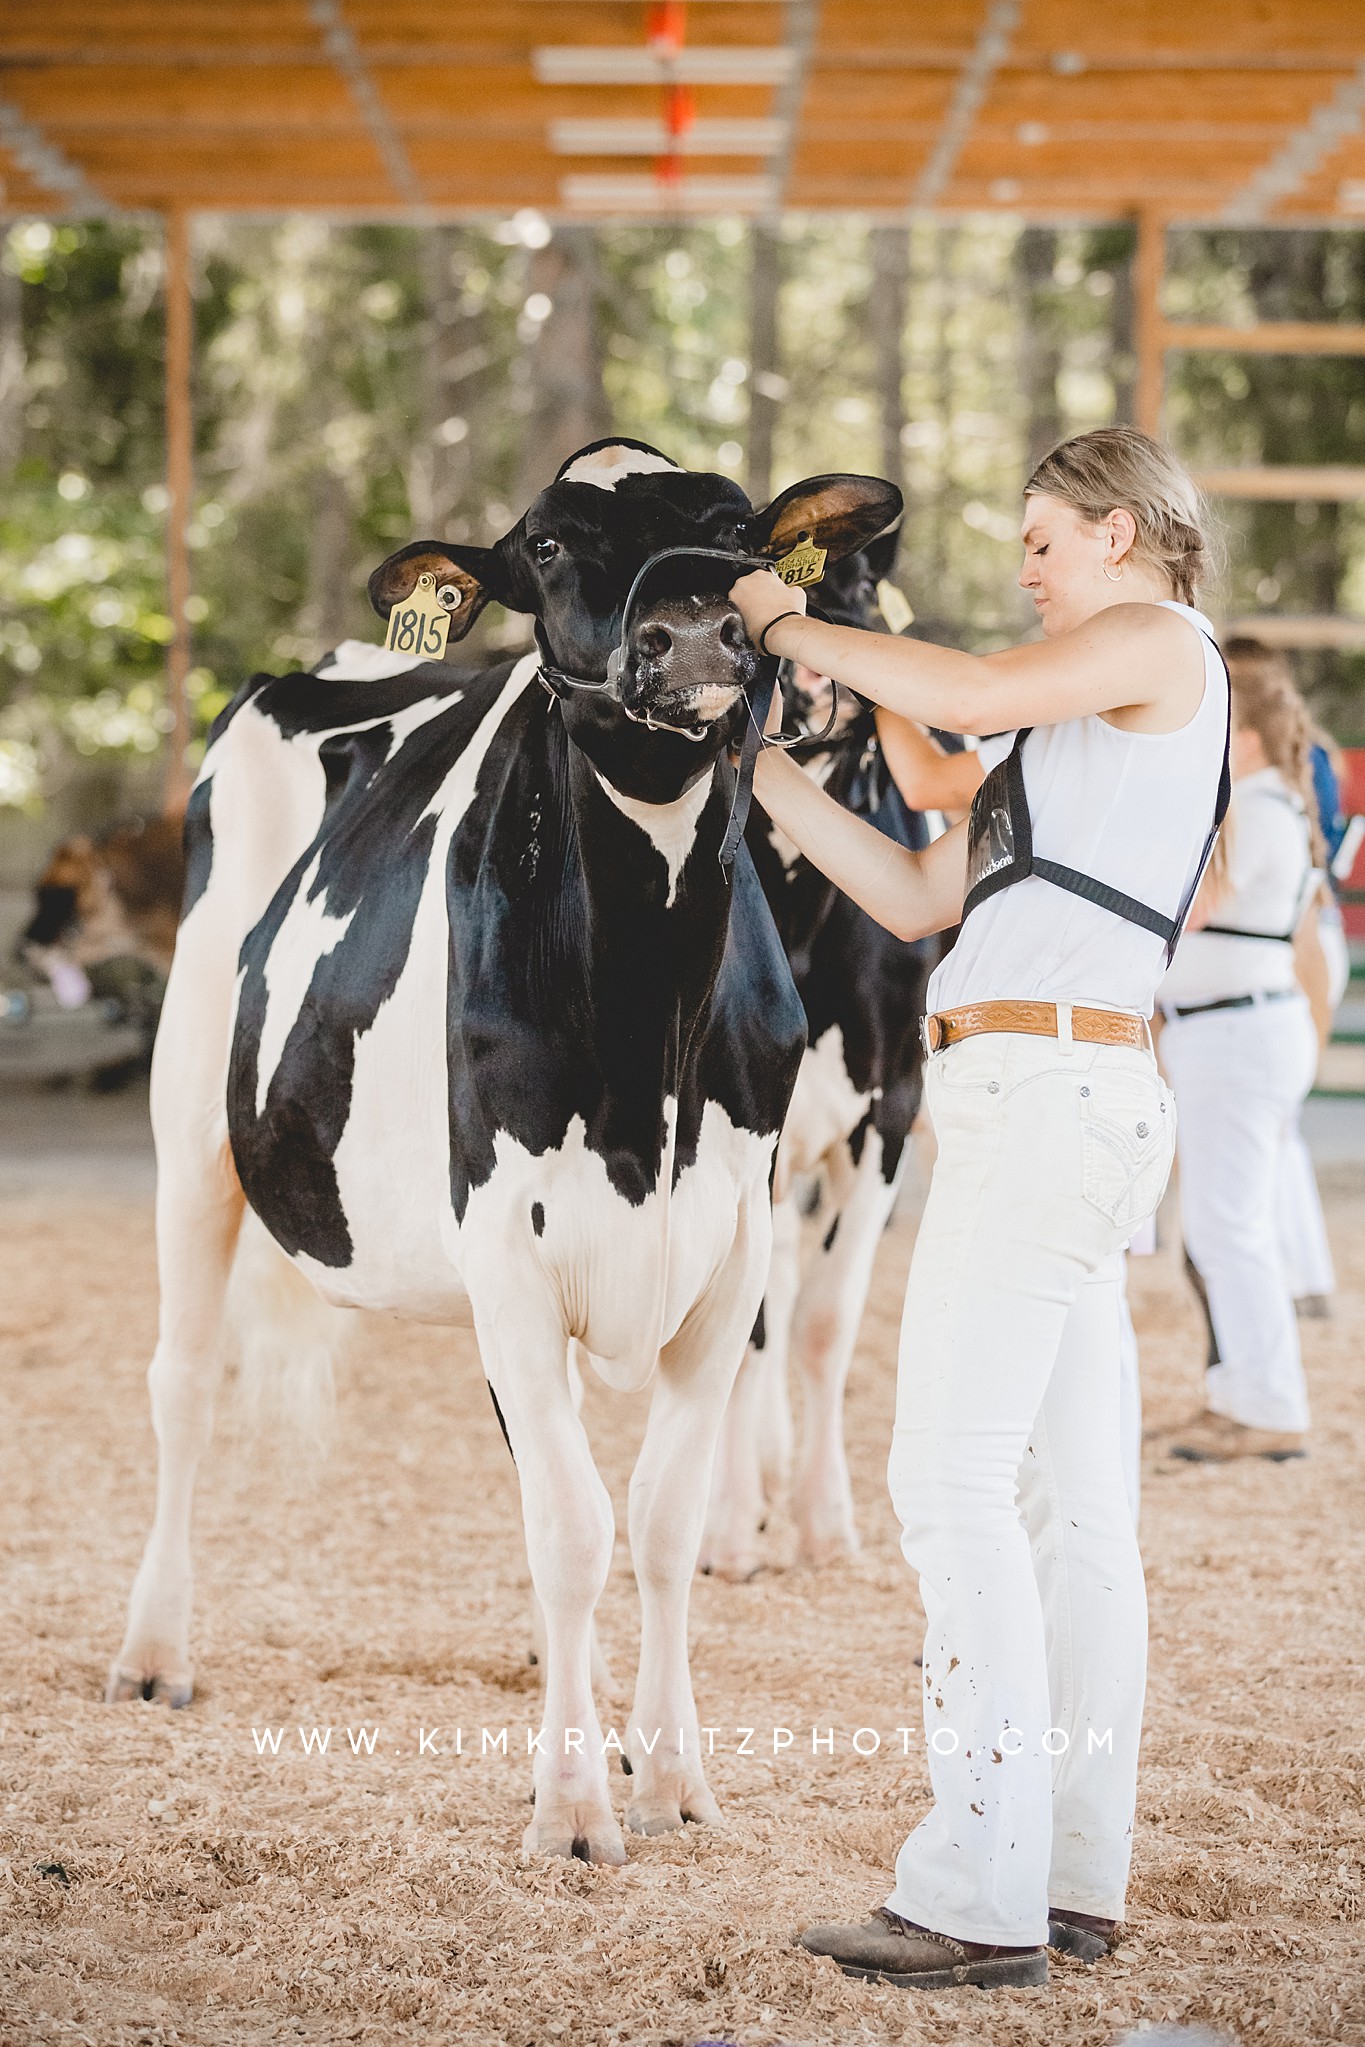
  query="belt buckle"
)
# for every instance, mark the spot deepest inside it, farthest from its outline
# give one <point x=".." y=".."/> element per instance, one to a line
<point x="931" y="1034"/>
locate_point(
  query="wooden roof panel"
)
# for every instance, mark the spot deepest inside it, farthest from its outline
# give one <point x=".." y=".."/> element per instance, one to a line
<point x="97" y="96"/>
<point x="449" y="90"/>
<point x="526" y="24"/>
<point x="847" y="26"/>
<point x="879" y="96"/>
<point x="1143" y="29"/>
<point x="1284" y="98"/>
<point x="1164" y="103"/>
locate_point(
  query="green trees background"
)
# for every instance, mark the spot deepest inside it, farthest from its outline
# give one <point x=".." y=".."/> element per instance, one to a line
<point x="357" y="386"/>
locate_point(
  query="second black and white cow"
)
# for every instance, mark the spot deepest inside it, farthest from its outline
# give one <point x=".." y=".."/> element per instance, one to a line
<point x="465" y="1008"/>
<point x="856" y="1096"/>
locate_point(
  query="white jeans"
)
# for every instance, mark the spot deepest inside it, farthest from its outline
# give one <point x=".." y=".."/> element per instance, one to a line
<point x="1007" y="1473"/>
<point x="1307" y="1256"/>
<point x="1239" y="1076"/>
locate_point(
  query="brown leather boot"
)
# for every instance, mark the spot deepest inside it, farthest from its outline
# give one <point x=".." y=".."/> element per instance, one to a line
<point x="1081" y="1934"/>
<point x="889" y="1949"/>
<point x="1214" y="1439"/>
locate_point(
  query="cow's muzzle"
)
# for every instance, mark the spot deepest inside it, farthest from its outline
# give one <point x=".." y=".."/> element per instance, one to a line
<point x="683" y="657"/>
<point x="687" y="658"/>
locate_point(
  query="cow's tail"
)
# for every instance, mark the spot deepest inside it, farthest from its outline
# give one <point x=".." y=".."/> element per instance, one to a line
<point x="287" y="1341"/>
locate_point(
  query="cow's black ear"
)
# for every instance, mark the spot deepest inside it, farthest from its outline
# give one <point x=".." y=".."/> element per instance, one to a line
<point x="838" y="513"/>
<point x="881" y="553"/>
<point x="471" y="571"/>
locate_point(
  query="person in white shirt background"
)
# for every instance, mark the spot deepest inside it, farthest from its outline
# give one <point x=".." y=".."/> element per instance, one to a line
<point x="1240" y="1048"/>
<point x="1302" y="1230"/>
<point x="1071" y="880"/>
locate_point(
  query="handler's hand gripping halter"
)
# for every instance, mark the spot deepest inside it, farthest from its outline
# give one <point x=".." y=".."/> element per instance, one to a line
<point x="558" y="681"/>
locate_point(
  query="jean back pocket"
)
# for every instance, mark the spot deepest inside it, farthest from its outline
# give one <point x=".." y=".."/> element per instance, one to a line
<point x="1127" y="1145"/>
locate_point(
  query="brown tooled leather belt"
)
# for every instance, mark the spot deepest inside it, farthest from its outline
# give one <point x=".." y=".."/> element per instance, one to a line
<point x="1034" y="1020"/>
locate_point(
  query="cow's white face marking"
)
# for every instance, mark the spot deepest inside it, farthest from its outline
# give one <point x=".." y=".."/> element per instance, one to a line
<point x="606" y="466"/>
<point x="671" y="828"/>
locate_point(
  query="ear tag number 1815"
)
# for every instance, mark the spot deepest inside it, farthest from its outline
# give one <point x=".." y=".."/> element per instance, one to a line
<point x="804" y="564"/>
<point x="421" y="625"/>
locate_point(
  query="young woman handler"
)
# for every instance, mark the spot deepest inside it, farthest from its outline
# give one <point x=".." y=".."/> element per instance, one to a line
<point x="1082" y="852"/>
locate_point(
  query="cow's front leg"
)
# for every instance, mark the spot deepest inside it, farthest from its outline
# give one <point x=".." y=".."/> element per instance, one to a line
<point x="603" y="1683"/>
<point x="828" y="1316"/>
<point x="570" y="1529"/>
<point x="198" y="1216"/>
<point x="667" y="1508"/>
<point x="754" y="1455"/>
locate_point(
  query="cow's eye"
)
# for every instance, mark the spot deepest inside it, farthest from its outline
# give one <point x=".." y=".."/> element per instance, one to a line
<point x="545" y="549"/>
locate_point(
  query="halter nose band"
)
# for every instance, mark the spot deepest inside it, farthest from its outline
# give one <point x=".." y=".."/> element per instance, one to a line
<point x="557" y="679"/>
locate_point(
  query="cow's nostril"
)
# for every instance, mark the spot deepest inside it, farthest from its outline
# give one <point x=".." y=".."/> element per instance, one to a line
<point x="654" y="641"/>
<point x="732" y="634"/>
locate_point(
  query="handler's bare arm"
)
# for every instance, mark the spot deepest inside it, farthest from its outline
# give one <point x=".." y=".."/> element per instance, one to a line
<point x="927" y="777"/>
<point x="1135" y="659"/>
<point x="911" y="894"/>
<point x="1311" y="968"/>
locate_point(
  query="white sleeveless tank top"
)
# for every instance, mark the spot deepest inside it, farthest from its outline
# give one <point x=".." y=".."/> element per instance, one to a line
<point x="1130" y="808"/>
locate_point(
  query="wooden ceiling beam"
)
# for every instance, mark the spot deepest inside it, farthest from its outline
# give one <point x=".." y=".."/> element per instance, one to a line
<point x="44" y="165"/>
<point x="1269" y="337"/>
<point x="1303" y="153"/>
<point x="988" y="53"/>
<point x="341" y="46"/>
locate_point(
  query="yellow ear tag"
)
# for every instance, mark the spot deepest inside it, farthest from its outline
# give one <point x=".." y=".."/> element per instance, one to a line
<point x="805" y="564"/>
<point x="421" y="624"/>
<point x="895" y="606"/>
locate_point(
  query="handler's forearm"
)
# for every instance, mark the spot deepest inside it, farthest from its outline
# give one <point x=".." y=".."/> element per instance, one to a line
<point x="1314" y="974"/>
<point x="883" y="878"/>
<point x="935" y="685"/>
<point x="927" y="778"/>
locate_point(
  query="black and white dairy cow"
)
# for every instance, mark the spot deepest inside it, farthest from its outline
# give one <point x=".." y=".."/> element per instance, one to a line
<point x="856" y="1097"/>
<point x="466" y="1009"/>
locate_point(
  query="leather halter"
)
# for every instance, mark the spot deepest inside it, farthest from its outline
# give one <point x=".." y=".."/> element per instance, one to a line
<point x="559" y="681"/>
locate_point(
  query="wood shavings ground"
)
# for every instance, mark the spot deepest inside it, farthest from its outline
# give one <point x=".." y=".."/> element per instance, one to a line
<point x="220" y="1896"/>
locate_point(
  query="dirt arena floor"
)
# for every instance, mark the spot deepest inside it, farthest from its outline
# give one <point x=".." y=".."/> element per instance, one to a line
<point x="161" y="1881"/>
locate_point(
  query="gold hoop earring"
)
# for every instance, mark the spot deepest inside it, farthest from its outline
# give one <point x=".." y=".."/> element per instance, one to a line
<point x="1117" y="577"/>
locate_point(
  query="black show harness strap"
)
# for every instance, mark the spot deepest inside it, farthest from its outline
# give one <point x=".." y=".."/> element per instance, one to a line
<point x="1000" y="848"/>
<point x="1305" y="891"/>
<point x="1265" y="937"/>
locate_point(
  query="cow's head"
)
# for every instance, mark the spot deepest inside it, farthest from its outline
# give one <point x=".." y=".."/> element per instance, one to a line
<point x="684" y="658"/>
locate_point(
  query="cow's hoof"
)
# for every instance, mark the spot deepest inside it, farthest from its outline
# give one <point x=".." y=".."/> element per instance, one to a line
<point x="736" y="1566"/>
<point x="668" y="1807"/>
<point x="161" y="1687"/>
<point x="825" y="1544"/>
<point x="580" y="1833"/>
<point x="664" y="1796"/>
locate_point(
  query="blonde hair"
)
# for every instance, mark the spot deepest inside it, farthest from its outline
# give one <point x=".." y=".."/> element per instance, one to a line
<point x="1266" y="701"/>
<point x="1116" y="468"/>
